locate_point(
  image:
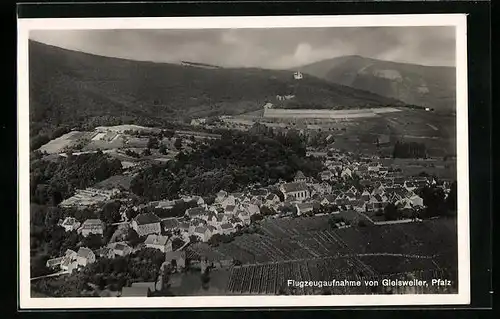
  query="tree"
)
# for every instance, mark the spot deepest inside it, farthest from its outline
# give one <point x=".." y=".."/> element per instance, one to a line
<point x="194" y="239"/>
<point x="256" y="217"/>
<point x="177" y="243"/>
<point x="451" y="200"/>
<point x="93" y="241"/>
<point x="178" y="143"/>
<point x="153" y="142"/>
<point x="163" y="149"/>
<point x="110" y="212"/>
<point x="133" y="238"/>
<point x="146" y="152"/>
<point x="391" y="212"/>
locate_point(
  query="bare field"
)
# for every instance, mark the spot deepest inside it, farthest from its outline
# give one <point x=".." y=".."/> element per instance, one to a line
<point x="57" y="145"/>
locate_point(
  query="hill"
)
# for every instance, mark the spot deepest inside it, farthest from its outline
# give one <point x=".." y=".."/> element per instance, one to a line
<point x="84" y="90"/>
<point x="427" y="86"/>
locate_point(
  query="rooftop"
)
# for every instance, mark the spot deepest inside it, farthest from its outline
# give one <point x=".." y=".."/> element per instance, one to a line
<point x="147" y="218"/>
<point x="294" y="187"/>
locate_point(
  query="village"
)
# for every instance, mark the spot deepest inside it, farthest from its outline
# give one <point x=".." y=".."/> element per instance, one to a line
<point x="351" y="193"/>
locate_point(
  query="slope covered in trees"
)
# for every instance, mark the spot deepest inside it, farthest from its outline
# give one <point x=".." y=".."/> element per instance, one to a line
<point x="230" y="164"/>
<point x="75" y="88"/>
<point x="53" y="181"/>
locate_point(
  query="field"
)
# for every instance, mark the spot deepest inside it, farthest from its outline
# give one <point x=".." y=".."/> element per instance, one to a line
<point x="378" y="249"/>
<point x="436" y="131"/>
<point x="58" y="145"/>
<point x="117" y="181"/>
<point x="272" y="278"/>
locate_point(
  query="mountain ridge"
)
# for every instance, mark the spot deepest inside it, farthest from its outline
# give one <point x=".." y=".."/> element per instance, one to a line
<point x="427" y="86"/>
<point x="69" y="87"/>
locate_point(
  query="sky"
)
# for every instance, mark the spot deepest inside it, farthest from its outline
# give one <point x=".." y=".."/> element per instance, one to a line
<point x="264" y="48"/>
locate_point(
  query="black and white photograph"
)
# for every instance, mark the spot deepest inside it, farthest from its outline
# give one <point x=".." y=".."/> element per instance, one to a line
<point x="261" y="161"/>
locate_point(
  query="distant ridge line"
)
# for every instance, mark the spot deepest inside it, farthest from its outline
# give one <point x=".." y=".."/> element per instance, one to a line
<point x="200" y="65"/>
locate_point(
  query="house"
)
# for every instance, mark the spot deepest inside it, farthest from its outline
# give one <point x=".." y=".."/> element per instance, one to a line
<point x="374" y="168"/>
<point x="184" y="227"/>
<point x="346" y="173"/>
<point x="299" y="177"/>
<point x="196" y="212"/>
<point x="353" y="190"/>
<point x="295" y="191"/>
<point x="229" y="200"/>
<point x="259" y="192"/>
<point x="135" y="292"/>
<point x="220" y="196"/>
<point x="257" y="201"/>
<point x="92" y="226"/>
<point x="212" y="229"/>
<point x="105" y="252"/>
<point x="328" y="200"/>
<point x="272" y="200"/>
<point x="176" y="258"/>
<point x="358" y="205"/>
<point x="303" y="208"/>
<point x="410" y="186"/>
<point x="326" y="175"/>
<point x="222" y="218"/>
<point x="70" y="254"/>
<point x="230" y="209"/>
<point x="404" y="203"/>
<point x="196" y="199"/>
<point x="324" y="188"/>
<point x="235" y="221"/>
<point x="244" y="216"/>
<point x="350" y="196"/>
<point x="365" y="196"/>
<point x="169" y="224"/>
<point x="162" y="243"/>
<point x="70" y="224"/>
<point x="251" y="209"/>
<point x="121" y="249"/>
<point x="417" y="201"/>
<point x="203" y="233"/>
<point x="227" y="228"/>
<point x="298" y="75"/>
<point x="85" y="256"/>
<point x="69" y="264"/>
<point x="147" y="223"/>
<point x="54" y="262"/>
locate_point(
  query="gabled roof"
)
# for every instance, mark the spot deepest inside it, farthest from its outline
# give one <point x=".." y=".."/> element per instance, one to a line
<point x="70" y="252"/>
<point x="196" y="211"/>
<point x="294" y="187"/>
<point x="92" y="223"/>
<point x="155" y="240"/>
<point x="200" y="230"/>
<point x="69" y="221"/>
<point x="147" y="218"/>
<point x="226" y="226"/>
<point x="170" y="223"/>
<point x="230" y="208"/>
<point x="300" y="175"/>
<point x="84" y="252"/>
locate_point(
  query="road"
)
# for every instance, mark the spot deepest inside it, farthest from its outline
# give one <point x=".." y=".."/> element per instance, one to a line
<point x="64" y="272"/>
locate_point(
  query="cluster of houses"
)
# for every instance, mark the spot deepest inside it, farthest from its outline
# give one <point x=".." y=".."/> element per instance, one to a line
<point x="72" y="260"/>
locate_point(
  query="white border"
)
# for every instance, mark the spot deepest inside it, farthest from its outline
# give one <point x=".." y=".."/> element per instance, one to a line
<point x="457" y="20"/>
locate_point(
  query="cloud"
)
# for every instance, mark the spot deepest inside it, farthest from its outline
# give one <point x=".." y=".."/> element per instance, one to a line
<point x="266" y="48"/>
